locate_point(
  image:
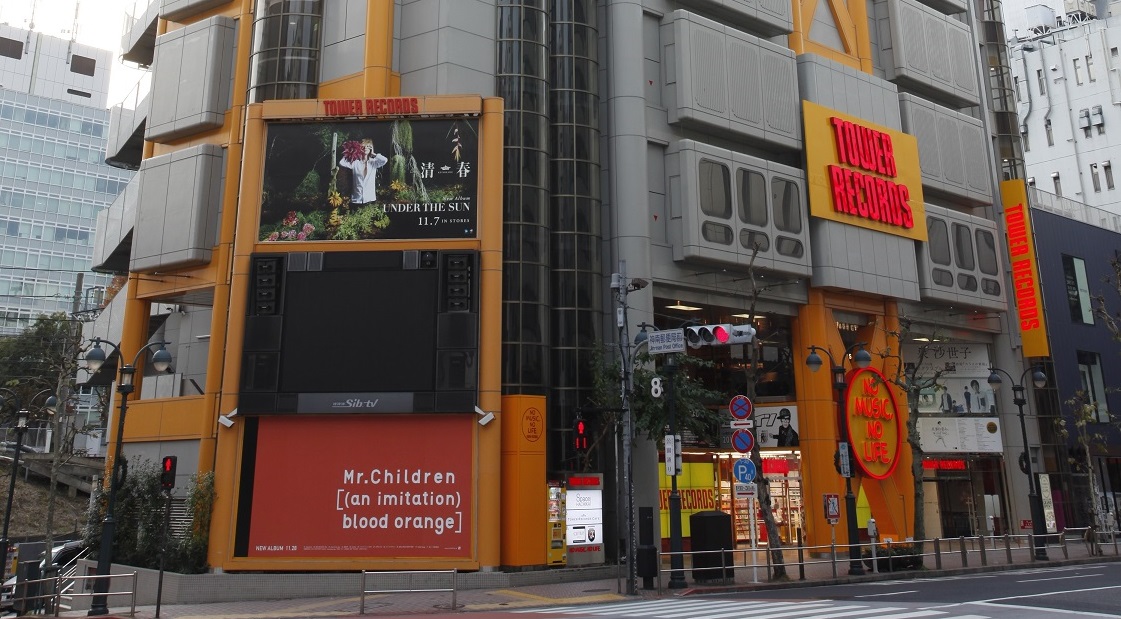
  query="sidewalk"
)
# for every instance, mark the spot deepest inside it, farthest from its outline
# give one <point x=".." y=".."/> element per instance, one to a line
<point x="953" y="561"/>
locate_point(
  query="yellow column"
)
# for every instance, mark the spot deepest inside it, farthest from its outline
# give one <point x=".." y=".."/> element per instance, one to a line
<point x="378" y="81"/>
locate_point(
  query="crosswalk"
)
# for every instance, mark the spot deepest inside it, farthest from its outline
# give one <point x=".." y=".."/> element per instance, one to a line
<point x="744" y="609"/>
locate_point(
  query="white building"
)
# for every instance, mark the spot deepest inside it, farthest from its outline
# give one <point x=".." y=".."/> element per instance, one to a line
<point x="1068" y="90"/>
<point x="53" y="179"/>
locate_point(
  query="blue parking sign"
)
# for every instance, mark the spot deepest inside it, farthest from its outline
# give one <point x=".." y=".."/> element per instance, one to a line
<point x="744" y="470"/>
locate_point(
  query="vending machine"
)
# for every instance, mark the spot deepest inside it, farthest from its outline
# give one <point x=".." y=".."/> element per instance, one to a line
<point x="557" y="553"/>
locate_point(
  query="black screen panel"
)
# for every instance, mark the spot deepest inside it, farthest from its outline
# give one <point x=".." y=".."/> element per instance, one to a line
<point x="360" y="331"/>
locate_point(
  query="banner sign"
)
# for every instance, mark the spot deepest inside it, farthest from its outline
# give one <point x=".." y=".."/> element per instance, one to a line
<point x="368" y="492"/>
<point x="1025" y="269"/>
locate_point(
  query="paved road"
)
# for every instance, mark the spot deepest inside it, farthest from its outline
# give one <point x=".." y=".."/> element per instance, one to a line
<point x="1092" y="591"/>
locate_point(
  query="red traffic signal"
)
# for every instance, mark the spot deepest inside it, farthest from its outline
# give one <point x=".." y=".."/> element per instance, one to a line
<point x="580" y="435"/>
<point x="167" y="472"/>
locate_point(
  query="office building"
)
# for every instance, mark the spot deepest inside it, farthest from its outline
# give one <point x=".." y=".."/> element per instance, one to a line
<point x="392" y="238"/>
<point x="53" y="181"/>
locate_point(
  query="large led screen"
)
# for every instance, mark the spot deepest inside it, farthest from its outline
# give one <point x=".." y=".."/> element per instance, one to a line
<point x="362" y="180"/>
<point x="378" y="487"/>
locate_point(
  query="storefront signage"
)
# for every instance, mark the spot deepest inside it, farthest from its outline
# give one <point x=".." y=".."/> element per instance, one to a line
<point x="944" y="465"/>
<point x="371" y="107"/>
<point x="1025" y="269"/>
<point x="863" y="174"/>
<point x="694" y="486"/>
<point x="960" y="435"/>
<point x="873" y="422"/>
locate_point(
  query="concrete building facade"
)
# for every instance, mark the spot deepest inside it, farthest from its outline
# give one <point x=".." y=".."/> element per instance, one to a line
<point x="822" y="174"/>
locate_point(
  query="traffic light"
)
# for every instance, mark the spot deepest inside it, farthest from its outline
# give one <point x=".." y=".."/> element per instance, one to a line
<point x="167" y="472"/>
<point x="719" y="335"/>
<point x="580" y="435"/>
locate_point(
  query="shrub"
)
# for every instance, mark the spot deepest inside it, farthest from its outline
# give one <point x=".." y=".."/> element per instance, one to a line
<point x="139" y="514"/>
<point x="894" y="557"/>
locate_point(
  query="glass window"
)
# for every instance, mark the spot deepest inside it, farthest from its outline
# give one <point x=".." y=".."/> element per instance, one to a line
<point x="787" y="205"/>
<point x="83" y="65"/>
<point x="715" y="189"/>
<point x="789" y="247"/>
<point x="938" y="241"/>
<point x="753" y="197"/>
<point x="11" y="48"/>
<point x="716" y="233"/>
<point x="750" y="238"/>
<point x="963" y="247"/>
<point x="986" y="252"/>
<point x="1093" y="386"/>
<point x="1078" y="290"/>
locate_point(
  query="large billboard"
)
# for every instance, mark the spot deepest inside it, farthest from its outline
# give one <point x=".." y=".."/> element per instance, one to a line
<point x="377" y="487"/>
<point x="408" y="178"/>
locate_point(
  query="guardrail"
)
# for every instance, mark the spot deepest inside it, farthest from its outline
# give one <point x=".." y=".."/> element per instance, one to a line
<point x="722" y="565"/>
<point x="51" y="601"/>
<point x="410" y="581"/>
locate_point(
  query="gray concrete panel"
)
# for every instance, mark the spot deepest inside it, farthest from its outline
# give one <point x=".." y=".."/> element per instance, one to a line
<point x="762" y="17"/>
<point x="861" y="260"/>
<point x="180" y="196"/>
<point x="918" y="54"/>
<point x="179" y="10"/>
<point x="190" y="89"/>
<point x="719" y="80"/>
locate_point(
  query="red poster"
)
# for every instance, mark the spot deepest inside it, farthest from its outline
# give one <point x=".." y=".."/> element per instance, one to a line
<point x="368" y="486"/>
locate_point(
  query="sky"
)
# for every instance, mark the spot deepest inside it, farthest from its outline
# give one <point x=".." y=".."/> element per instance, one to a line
<point x="100" y="23"/>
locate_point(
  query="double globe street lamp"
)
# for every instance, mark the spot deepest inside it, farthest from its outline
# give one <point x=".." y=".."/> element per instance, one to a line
<point x="95" y="358"/>
<point x="861" y="359"/>
<point x="23" y="414"/>
<point x="1035" y="499"/>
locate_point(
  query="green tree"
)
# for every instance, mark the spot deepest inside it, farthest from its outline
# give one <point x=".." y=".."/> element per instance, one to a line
<point x="140" y="514"/>
<point x="691" y="414"/>
<point x="45" y="356"/>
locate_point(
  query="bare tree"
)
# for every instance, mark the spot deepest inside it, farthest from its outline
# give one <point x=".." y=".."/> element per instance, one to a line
<point x="908" y="378"/>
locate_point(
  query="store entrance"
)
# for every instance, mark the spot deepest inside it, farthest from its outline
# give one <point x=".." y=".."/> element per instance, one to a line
<point x="783" y="472"/>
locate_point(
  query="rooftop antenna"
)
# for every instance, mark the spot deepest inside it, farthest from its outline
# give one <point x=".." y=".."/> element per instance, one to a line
<point x="73" y="31"/>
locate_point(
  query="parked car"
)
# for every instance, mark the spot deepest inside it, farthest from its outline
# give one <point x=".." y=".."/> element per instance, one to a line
<point x="62" y="554"/>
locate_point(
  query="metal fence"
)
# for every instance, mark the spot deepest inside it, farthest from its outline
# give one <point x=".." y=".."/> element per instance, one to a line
<point x="44" y="596"/>
<point x="721" y="566"/>
<point x="416" y="581"/>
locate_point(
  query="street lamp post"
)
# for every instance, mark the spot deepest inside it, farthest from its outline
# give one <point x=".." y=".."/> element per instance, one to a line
<point x="677" y="559"/>
<point x="1035" y="499"/>
<point x="22" y="415"/>
<point x="862" y="360"/>
<point x="161" y="360"/>
<point x="622" y="287"/>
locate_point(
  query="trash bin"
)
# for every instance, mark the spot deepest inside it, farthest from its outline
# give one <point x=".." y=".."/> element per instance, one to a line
<point x="712" y="531"/>
<point x="647" y="562"/>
